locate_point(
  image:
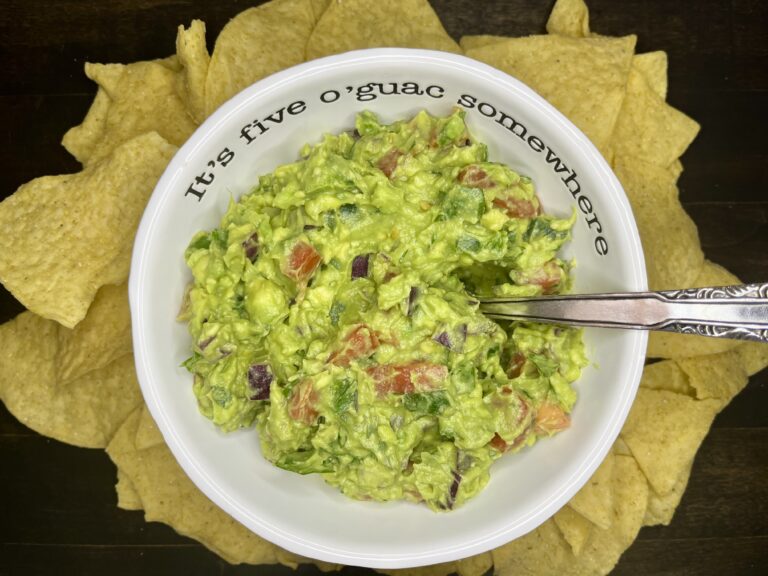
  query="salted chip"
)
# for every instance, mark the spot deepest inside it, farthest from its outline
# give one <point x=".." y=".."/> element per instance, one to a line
<point x="442" y="569"/>
<point x="753" y="356"/>
<point x="147" y="432"/>
<point x="648" y="129"/>
<point x="574" y="527"/>
<point x="584" y="78"/>
<point x="480" y="41"/>
<point x="373" y="24"/>
<point x="127" y="497"/>
<point x="319" y="7"/>
<point x="671" y="345"/>
<point x="620" y="448"/>
<point x="103" y="336"/>
<point x="65" y="236"/>
<point x="717" y="376"/>
<point x="85" y="411"/>
<point x="653" y="67"/>
<point x="661" y="509"/>
<point x="142" y="97"/>
<point x="666" y="375"/>
<point x="194" y="59"/>
<point x="476" y="565"/>
<point x="595" y="499"/>
<point x="664" y="431"/>
<point x="569" y="18"/>
<point x="673" y="255"/>
<point x="256" y="43"/>
<point x="542" y="551"/>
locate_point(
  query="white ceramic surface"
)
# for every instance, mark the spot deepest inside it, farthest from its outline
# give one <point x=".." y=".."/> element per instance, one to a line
<point x="296" y="106"/>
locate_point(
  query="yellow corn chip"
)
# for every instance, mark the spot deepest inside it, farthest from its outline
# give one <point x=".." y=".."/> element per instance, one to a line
<point x="255" y="44"/>
<point x="673" y="255"/>
<point x="753" y="356"/>
<point x="433" y="570"/>
<point x="372" y="24"/>
<point x="127" y="498"/>
<point x="543" y="551"/>
<point x="142" y="97"/>
<point x="584" y="78"/>
<point x="664" y="431"/>
<point x="65" y="236"/>
<point x="648" y="129"/>
<point x="718" y="376"/>
<point x="194" y="59"/>
<point x="319" y="7"/>
<point x="595" y="499"/>
<point x="574" y="527"/>
<point x="474" y="565"/>
<point x="147" y="432"/>
<point x="668" y="376"/>
<point x="102" y="337"/>
<point x="480" y="41"/>
<point x="671" y="345"/>
<point x="653" y="67"/>
<point x="620" y="448"/>
<point x="661" y="509"/>
<point x="569" y="18"/>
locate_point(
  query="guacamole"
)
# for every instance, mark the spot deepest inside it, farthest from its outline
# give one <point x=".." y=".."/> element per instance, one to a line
<point x="335" y="309"/>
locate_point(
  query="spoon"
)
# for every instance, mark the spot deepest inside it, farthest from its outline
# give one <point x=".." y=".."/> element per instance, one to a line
<point x="739" y="312"/>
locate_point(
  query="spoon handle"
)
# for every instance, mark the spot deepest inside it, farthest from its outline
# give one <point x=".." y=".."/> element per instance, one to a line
<point x="739" y="312"/>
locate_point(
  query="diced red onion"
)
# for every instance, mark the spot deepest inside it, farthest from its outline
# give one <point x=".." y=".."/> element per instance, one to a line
<point x="259" y="379"/>
<point x="360" y="266"/>
<point x="412" y="296"/>
<point x="251" y="247"/>
<point x="444" y="339"/>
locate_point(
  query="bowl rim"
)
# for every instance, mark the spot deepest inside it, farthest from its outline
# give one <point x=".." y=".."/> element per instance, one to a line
<point x="136" y="283"/>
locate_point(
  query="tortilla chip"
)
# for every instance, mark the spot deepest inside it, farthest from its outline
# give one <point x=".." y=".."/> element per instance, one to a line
<point x="718" y="376"/>
<point x="442" y="569"/>
<point x="664" y="431"/>
<point x="256" y="43"/>
<point x="585" y="78"/>
<point x="543" y="551"/>
<point x="620" y="448"/>
<point x="127" y="497"/>
<point x="574" y="527"/>
<point x="194" y="59"/>
<point x="476" y="565"/>
<point x="147" y="432"/>
<point x="653" y="67"/>
<point x="480" y="41"/>
<point x="65" y="236"/>
<point x="569" y="18"/>
<point x="673" y="255"/>
<point x="672" y="345"/>
<point x="142" y="97"/>
<point x="648" y="129"/>
<point x="85" y="411"/>
<point x="661" y="509"/>
<point x="102" y="337"/>
<point x="319" y="7"/>
<point x="361" y="24"/>
<point x="753" y="356"/>
<point x="595" y="499"/>
<point x="668" y="376"/>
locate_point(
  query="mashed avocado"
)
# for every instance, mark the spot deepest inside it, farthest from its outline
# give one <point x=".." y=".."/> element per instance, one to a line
<point x="333" y="308"/>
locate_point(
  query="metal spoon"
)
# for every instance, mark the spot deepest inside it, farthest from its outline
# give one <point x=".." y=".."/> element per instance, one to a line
<point x="739" y="312"/>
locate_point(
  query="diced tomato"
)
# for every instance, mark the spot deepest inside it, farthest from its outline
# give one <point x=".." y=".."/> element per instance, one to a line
<point x="388" y="162"/>
<point x="516" y="207"/>
<point x="475" y="177"/>
<point x="359" y="343"/>
<point x="415" y="376"/>
<point x="516" y="364"/>
<point x="498" y="443"/>
<point x="302" y="262"/>
<point x="301" y="406"/>
<point x="548" y="277"/>
<point x="550" y="419"/>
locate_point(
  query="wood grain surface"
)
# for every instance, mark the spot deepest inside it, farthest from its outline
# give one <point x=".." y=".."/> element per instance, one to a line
<point x="58" y="510"/>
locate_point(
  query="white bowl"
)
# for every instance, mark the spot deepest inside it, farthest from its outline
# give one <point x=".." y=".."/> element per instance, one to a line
<point x="302" y="513"/>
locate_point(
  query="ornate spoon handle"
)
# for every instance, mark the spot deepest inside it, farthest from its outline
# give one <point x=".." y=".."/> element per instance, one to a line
<point x="739" y="312"/>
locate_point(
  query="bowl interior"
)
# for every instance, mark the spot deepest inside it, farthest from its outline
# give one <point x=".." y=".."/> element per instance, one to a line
<point x="265" y="126"/>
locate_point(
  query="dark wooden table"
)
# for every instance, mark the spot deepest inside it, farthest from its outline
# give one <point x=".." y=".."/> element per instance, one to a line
<point x="57" y="503"/>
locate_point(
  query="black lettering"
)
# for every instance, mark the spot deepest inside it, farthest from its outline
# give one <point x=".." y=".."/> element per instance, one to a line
<point x="601" y="246"/>
<point x="276" y="117"/>
<point x="296" y="108"/>
<point x="553" y="159"/>
<point x="572" y="178"/>
<point x="439" y="91"/>
<point x="585" y="204"/>
<point x="330" y="96"/>
<point x="245" y="133"/>
<point x="260" y="126"/>
<point x="411" y="89"/>
<point x="536" y="144"/>
<point x="467" y="101"/>
<point x="364" y="93"/>
<point x="205" y="178"/>
<point x="194" y="192"/>
<point x="595" y="221"/>
<point x="225" y="156"/>
<point x="513" y="125"/>
<point x="491" y="111"/>
<point x="392" y="90"/>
